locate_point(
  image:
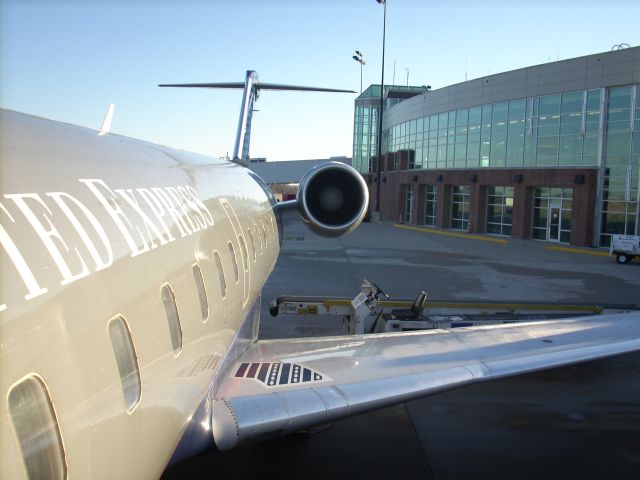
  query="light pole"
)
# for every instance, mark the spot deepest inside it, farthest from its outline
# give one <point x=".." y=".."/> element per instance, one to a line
<point x="359" y="57"/>
<point x="377" y="215"/>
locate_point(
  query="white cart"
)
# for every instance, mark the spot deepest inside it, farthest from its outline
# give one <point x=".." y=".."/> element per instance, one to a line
<point x="625" y="247"/>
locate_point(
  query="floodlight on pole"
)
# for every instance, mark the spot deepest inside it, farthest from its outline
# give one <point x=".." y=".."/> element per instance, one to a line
<point x="359" y="57"/>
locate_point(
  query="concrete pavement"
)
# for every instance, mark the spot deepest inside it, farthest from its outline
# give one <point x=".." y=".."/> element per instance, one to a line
<point x="574" y="422"/>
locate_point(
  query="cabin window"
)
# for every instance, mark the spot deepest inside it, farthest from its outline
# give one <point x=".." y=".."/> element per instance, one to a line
<point x="264" y="234"/>
<point x="234" y="262"/>
<point x="272" y="228"/>
<point x="221" y="280"/>
<point x="253" y="244"/>
<point x="171" y="311"/>
<point x="36" y="429"/>
<point x="260" y="240"/>
<point x="243" y="250"/>
<point x="127" y="361"/>
<point x="202" y="292"/>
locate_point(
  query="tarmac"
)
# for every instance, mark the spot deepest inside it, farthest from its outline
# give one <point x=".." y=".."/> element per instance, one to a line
<point x="581" y="421"/>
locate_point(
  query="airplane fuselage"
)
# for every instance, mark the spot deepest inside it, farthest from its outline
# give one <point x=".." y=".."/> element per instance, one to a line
<point x="129" y="271"/>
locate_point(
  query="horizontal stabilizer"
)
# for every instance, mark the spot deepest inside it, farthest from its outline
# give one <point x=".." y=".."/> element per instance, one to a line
<point x="251" y="88"/>
<point x="278" y="86"/>
<point x="205" y="85"/>
<point x="259" y="86"/>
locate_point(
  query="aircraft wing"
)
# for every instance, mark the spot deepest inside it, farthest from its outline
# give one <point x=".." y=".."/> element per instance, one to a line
<point x="280" y="386"/>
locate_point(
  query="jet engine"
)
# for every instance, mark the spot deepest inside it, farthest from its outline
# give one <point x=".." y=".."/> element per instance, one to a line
<point x="332" y="199"/>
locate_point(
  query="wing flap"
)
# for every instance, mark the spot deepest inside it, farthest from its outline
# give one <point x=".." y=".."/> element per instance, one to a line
<point x="355" y="374"/>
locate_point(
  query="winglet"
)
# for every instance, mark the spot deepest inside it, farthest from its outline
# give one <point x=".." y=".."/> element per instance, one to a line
<point x="106" y="123"/>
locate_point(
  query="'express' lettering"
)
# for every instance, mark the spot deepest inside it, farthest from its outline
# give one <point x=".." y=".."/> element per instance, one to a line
<point x="145" y="218"/>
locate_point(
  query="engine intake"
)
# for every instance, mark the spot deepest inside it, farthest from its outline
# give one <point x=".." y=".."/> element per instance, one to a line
<point x="332" y="199"/>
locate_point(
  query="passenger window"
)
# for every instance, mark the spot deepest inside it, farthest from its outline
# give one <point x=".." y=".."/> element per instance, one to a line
<point x="264" y="234"/>
<point x="260" y="241"/>
<point x="272" y="230"/>
<point x="245" y="255"/>
<point x="202" y="292"/>
<point x="36" y="428"/>
<point x="234" y="262"/>
<point x="253" y="244"/>
<point x="221" y="280"/>
<point x="127" y="361"/>
<point x="171" y="310"/>
<point x="274" y="227"/>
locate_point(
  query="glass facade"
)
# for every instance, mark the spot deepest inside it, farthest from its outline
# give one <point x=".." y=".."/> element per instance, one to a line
<point x="365" y="130"/>
<point x="499" y="210"/>
<point x="621" y="180"/>
<point x="552" y="214"/>
<point x="430" y="205"/>
<point x="553" y="130"/>
<point x="460" y="196"/>
<point x="596" y="128"/>
<point x="365" y="122"/>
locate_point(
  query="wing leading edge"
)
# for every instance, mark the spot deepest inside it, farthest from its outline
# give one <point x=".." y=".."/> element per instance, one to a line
<point x="280" y="386"/>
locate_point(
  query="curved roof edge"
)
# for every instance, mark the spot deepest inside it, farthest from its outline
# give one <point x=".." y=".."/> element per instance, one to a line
<point x="607" y="69"/>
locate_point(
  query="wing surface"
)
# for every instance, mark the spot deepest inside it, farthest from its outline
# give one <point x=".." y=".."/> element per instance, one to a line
<point x="280" y="386"/>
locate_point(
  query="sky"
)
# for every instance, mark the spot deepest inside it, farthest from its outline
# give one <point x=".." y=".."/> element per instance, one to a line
<point x="69" y="59"/>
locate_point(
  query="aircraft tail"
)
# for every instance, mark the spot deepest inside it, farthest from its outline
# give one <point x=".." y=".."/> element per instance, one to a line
<point x="251" y="88"/>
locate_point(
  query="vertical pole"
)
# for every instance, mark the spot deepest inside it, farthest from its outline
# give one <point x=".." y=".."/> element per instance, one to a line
<point x="597" y="223"/>
<point x="241" y="147"/>
<point x="380" y="113"/>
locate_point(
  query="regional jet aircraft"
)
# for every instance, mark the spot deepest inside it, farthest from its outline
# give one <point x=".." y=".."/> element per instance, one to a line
<point x="130" y="300"/>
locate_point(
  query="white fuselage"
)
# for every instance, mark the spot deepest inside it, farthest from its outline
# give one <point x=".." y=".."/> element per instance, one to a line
<point x="100" y="235"/>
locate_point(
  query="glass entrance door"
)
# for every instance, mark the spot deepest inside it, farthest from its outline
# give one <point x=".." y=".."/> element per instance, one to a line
<point x="552" y="214"/>
<point x="553" y="229"/>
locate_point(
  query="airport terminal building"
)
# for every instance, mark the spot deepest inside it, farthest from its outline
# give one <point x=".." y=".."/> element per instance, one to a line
<point x="549" y="152"/>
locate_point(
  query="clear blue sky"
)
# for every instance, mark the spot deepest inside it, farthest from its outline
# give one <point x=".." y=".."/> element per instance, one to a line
<point x="68" y="60"/>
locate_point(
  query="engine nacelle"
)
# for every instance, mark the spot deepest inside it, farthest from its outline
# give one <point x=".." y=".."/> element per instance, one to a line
<point x="332" y="199"/>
